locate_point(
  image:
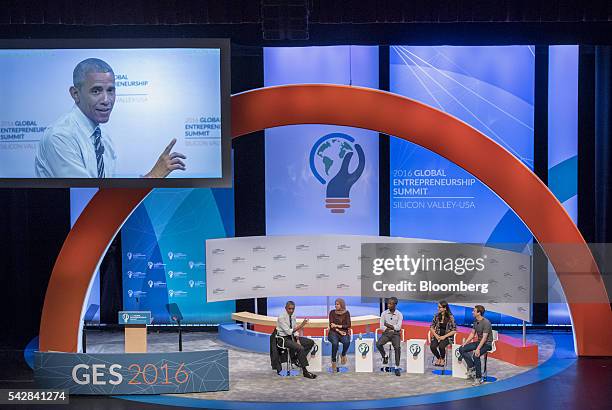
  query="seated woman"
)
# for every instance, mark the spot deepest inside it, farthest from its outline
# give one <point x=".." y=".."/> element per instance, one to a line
<point x="339" y="325"/>
<point x="443" y="328"/>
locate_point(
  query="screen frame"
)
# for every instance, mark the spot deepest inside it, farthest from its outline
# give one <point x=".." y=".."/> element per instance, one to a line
<point x="223" y="44"/>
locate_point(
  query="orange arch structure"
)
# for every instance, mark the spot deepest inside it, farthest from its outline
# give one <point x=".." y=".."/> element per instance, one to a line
<point x="370" y="109"/>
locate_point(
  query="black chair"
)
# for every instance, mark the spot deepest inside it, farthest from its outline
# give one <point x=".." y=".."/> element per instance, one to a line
<point x="283" y="354"/>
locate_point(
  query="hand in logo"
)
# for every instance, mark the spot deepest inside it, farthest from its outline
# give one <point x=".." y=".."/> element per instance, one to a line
<point x="415" y="349"/>
<point x="340" y="185"/>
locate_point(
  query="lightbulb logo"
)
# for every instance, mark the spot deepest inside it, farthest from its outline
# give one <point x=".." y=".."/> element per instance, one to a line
<point x="415" y="349"/>
<point x="330" y="160"/>
<point x="363" y="349"/>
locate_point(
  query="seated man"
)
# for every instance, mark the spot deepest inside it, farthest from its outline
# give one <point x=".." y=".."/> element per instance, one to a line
<point x="286" y="327"/>
<point x="484" y="332"/>
<point x="391" y="322"/>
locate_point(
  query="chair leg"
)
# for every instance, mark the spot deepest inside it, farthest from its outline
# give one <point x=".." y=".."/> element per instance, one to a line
<point x="444" y="363"/>
<point x="484" y="372"/>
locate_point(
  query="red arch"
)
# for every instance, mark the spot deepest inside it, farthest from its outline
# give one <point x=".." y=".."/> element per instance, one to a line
<point x="371" y="109"/>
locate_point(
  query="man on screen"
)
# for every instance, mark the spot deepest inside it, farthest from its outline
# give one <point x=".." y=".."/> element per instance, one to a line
<point x="75" y="146"/>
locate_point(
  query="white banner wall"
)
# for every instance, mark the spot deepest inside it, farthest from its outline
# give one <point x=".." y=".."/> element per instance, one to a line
<point x="304" y="265"/>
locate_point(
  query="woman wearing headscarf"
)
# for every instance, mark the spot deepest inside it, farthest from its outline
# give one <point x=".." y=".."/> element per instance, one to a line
<point x="339" y="325"/>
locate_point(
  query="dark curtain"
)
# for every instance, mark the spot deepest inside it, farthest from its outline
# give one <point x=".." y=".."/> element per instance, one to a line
<point x="111" y="284"/>
<point x="33" y="226"/>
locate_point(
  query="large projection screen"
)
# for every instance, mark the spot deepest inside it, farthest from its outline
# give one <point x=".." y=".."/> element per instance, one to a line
<point x="115" y="113"/>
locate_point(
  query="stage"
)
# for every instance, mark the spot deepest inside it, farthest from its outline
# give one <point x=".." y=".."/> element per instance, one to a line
<point x="253" y="380"/>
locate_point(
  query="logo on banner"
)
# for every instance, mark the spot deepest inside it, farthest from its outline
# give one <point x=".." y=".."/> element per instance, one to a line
<point x="150" y="265"/>
<point x="342" y="286"/>
<point x="191" y="264"/>
<point x="126" y="317"/>
<point x="331" y="162"/>
<point x="364" y="349"/>
<point x="191" y="283"/>
<point x="414" y="349"/>
<point x="150" y="283"/>
<point x="170" y="255"/>
<point x="129" y="256"/>
<point x="130" y="293"/>
<point x="171" y="274"/>
<point x="171" y="293"/>
<point x="130" y="274"/>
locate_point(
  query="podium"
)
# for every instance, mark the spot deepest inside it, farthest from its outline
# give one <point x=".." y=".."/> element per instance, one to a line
<point x="135" y="326"/>
<point x="364" y="349"/>
<point x="415" y="356"/>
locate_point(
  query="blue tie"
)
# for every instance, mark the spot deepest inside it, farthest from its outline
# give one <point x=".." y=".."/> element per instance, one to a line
<point x="99" y="151"/>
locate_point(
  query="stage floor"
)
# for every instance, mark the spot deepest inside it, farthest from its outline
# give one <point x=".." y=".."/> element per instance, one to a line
<point x="253" y="380"/>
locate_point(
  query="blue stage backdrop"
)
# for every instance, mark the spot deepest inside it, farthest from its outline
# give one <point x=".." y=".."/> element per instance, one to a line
<point x="562" y="152"/>
<point x="304" y="163"/>
<point x="163" y="244"/>
<point x="492" y="89"/>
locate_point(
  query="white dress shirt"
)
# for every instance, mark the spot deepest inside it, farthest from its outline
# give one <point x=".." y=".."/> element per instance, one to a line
<point x="67" y="150"/>
<point x="285" y="325"/>
<point x="394" y="319"/>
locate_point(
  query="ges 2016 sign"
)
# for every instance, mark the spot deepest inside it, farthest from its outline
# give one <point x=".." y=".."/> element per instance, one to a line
<point x="133" y="373"/>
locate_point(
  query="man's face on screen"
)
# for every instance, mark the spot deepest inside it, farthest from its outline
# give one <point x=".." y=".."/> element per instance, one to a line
<point x="96" y="96"/>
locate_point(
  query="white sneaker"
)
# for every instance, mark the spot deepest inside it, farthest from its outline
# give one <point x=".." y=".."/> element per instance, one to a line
<point x="477" y="382"/>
